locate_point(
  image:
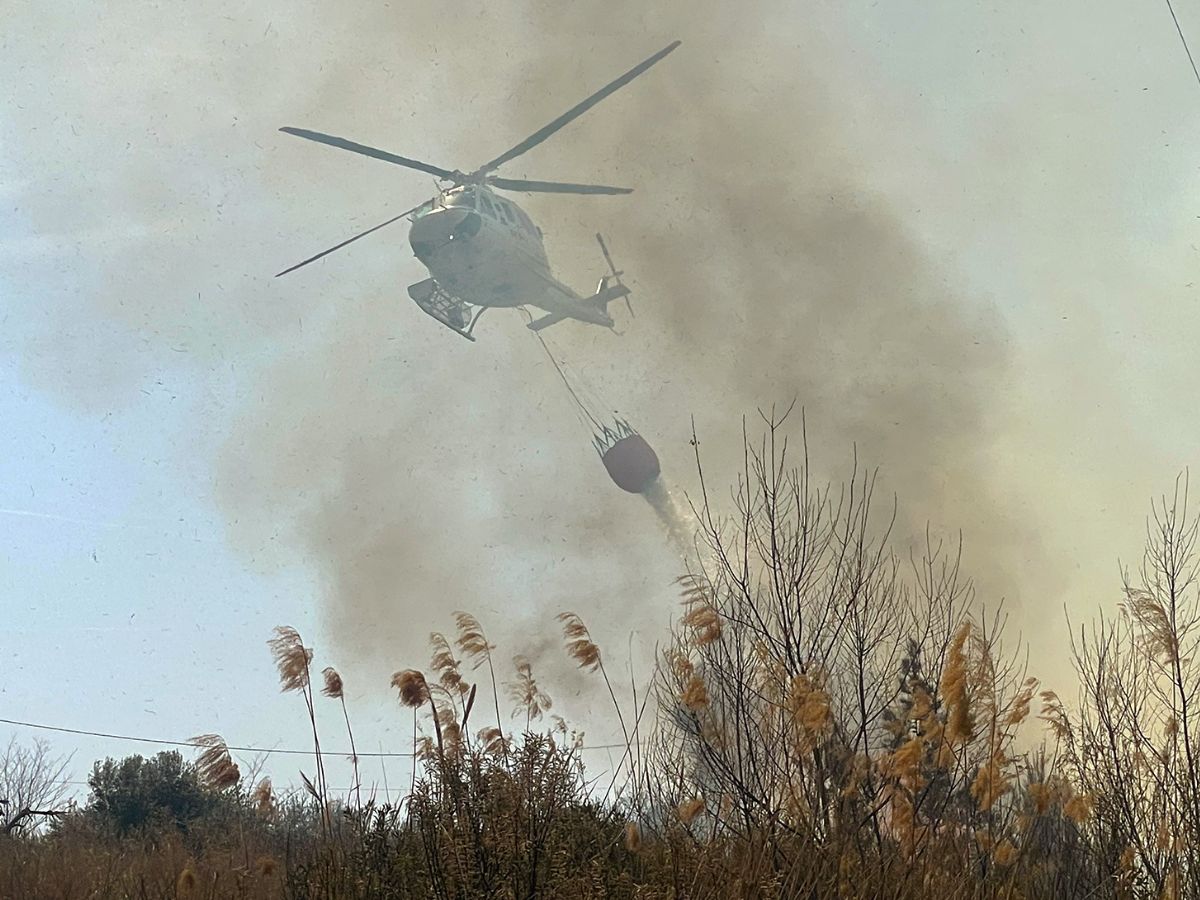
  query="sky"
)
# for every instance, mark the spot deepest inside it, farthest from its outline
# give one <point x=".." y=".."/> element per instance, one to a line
<point x="964" y="237"/>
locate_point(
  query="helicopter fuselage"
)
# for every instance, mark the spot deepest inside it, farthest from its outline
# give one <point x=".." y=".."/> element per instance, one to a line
<point x="482" y="248"/>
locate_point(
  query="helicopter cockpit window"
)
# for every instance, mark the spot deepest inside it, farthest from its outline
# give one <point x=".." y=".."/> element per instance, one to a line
<point x="426" y="208"/>
<point x="464" y="197"/>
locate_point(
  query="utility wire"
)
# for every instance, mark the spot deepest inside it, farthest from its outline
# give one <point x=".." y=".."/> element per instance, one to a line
<point x="168" y="743"/>
<point x="1183" y="40"/>
<point x="340" y="790"/>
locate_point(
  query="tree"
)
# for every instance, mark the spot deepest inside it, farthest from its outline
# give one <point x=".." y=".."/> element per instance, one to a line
<point x="1134" y="746"/>
<point x="32" y="787"/>
<point x="136" y="791"/>
<point x="790" y="725"/>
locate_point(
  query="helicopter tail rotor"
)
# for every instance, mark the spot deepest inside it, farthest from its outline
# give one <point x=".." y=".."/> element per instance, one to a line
<point x="614" y="272"/>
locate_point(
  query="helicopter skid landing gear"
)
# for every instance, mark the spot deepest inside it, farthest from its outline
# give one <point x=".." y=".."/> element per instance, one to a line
<point x="456" y="314"/>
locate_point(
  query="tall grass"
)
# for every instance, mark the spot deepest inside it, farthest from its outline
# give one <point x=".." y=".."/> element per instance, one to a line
<point x="827" y="719"/>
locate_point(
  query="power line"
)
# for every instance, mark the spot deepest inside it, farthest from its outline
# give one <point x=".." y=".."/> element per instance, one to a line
<point x="341" y="790"/>
<point x="169" y="743"/>
<point x="163" y="742"/>
<point x="1183" y="40"/>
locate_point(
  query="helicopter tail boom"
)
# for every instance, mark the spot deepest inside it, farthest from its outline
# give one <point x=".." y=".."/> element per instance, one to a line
<point x="593" y="309"/>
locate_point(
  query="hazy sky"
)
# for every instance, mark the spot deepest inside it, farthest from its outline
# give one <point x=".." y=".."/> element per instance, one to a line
<point x="194" y="452"/>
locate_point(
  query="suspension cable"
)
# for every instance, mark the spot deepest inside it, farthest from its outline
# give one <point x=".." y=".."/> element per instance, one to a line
<point x="591" y="419"/>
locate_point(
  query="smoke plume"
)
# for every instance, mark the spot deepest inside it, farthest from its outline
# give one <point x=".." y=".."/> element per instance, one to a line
<point x="414" y="473"/>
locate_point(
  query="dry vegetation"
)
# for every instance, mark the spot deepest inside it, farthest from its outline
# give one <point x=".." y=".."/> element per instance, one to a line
<point x="828" y="721"/>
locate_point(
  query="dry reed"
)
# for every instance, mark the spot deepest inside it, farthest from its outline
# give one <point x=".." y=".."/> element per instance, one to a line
<point x="214" y="764"/>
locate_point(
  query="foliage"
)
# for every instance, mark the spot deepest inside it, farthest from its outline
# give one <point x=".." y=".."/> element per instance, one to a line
<point x="136" y="793"/>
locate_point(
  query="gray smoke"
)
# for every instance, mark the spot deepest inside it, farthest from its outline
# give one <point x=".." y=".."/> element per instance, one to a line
<point x="418" y="474"/>
<point x="768" y="269"/>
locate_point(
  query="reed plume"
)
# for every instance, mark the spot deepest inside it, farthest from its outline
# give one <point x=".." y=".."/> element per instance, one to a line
<point x="471" y="639"/>
<point x="960" y="723"/>
<point x="525" y="692"/>
<point x="695" y="693"/>
<point x="424" y="749"/>
<point x="1018" y="709"/>
<point x="808" y="709"/>
<point x="1043" y="794"/>
<point x="701" y="617"/>
<point x="333" y="683"/>
<point x="473" y="643"/>
<point x="291" y="657"/>
<point x="991" y="781"/>
<point x="1054" y="714"/>
<point x="582" y="649"/>
<point x="293" y="660"/>
<point x="446" y="665"/>
<point x="1156" y="631"/>
<point x="264" y="797"/>
<point x="492" y="740"/>
<point x="216" y="767"/>
<point x="335" y="689"/>
<point x="448" y="729"/>
<point x="414" y="691"/>
<point x="580" y="646"/>
<point x="904" y="765"/>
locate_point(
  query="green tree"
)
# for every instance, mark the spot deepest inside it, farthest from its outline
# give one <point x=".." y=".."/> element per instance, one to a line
<point x="135" y="792"/>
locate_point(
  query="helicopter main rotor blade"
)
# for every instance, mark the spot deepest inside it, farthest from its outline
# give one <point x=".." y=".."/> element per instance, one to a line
<point x="343" y="144"/>
<point x="361" y="234"/>
<point x="554" y="187"/>
<point x="575" y="112"/>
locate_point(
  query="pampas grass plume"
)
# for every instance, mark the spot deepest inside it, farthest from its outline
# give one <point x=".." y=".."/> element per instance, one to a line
<point x="333" y="684"/>
<point x="291" y="658"/>
<point x="414" y="690"/>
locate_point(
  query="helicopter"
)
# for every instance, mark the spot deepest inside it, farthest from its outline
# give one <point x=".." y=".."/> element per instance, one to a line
<point x="482" y="250"/>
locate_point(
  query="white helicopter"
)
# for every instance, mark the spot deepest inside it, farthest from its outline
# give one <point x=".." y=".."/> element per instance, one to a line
<point x="481" y="249"/>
